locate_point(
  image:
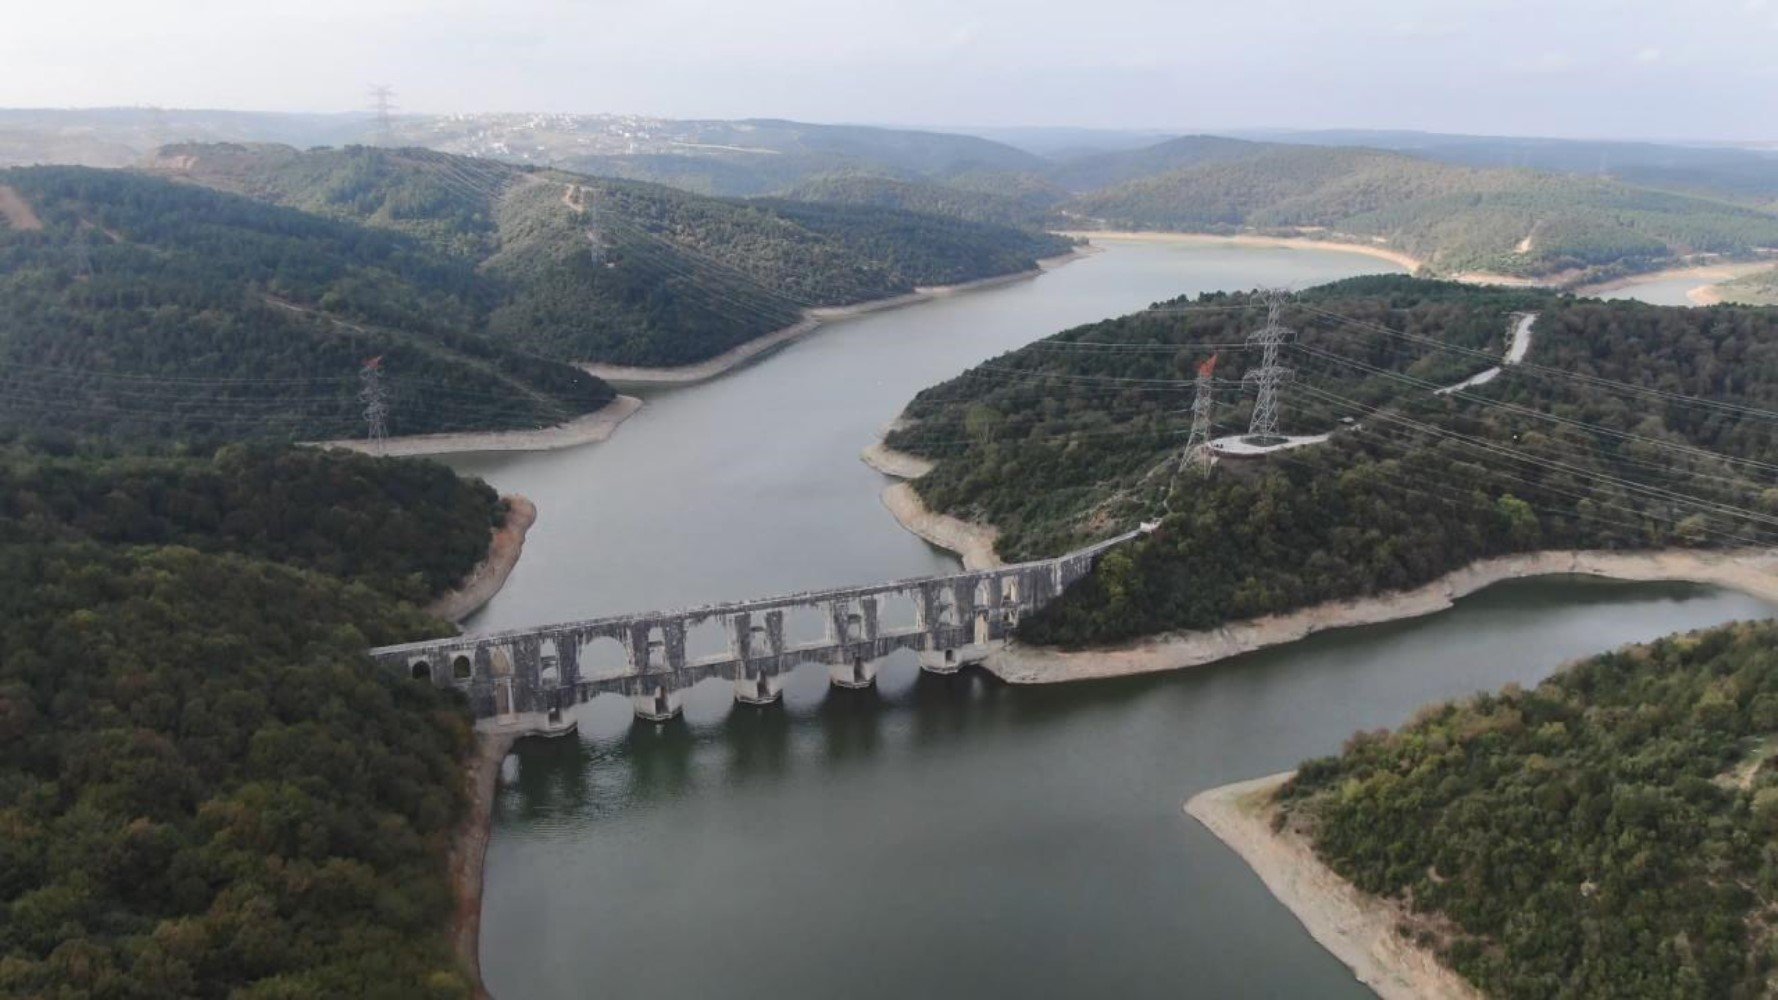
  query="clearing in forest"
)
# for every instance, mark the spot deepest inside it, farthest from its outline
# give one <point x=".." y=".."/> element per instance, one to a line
<point x="17" y="211"/>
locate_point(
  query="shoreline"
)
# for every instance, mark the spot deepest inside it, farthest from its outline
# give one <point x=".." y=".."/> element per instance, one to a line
<point x="469" y="851"/>
<point x="1356" y="928"/>
<point x="1398" y="257"/>
<point x="1702" y="295"/>
<point x="970" y="541"/>
<point x="485" y="580"/>
<point x="1751" y="571"/>
<point x="1709" y="275"/>
<point x="588" y="428"/>
<point x="813" y="320"/>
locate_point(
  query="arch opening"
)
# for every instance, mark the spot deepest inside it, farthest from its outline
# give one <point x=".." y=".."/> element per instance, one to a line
<point x="602" y="658"/>
<point x="897" y="612"/>
<point x="461" y="668"/>
<point x="422" y="671"/>
<point x="805" y="625"/>
<point x="549" y="661"/>
<point x="707" y="638"/>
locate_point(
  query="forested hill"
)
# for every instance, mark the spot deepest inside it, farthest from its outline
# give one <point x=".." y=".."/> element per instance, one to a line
<point x="1515" y="222"/>
<point x="207" y="789"/>
<point x="1608" y="834"/>
<point x="136" y="306"/>
<point x="591" y="269"/>
<point x="1629" y="427"/>
<point x="1004" y="199"/>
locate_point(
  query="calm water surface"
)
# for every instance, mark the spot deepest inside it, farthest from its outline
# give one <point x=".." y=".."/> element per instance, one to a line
<point x="936" y="836"/>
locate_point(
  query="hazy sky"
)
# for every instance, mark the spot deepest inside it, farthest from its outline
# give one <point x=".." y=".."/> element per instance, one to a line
<point x="1663" y="68"/>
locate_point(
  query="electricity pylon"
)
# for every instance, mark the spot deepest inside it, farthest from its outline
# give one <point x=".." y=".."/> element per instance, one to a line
<point x="1270" y="374"/>
<point x="1197" y="445"/>
<point x="382" y="105"/>
<point x="376" y="402"/>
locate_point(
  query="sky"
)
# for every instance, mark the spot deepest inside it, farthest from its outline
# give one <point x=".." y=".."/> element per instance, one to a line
<point x="1700" y="69"/>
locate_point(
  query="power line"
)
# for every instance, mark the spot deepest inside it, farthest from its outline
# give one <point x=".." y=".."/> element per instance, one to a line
<point x="1528" y="366"/>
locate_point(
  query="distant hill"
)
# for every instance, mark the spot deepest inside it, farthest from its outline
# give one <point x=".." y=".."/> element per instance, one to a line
<point x="1001" y="199"/>
<point x="592" y="269"/>
<point x="746" y="157"/>
<point x="1725" y="171"/>
<point x="742" y="157"/>
<point x="119" y="137"/>
<point x="1523" y="207"/>
<point x="1515" y="222"/>
<point x="1104" y="170"/>
<point x="134" y="306"/>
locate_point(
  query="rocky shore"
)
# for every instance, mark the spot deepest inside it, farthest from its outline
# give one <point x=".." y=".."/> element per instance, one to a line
<point x="587" y="429"/>
<point x="972" y="542"/>
<point x="469" y="850"/>
<point x="489" y="575"/>
<point x="1358" y="929"/>
<point x="812" y="320"/>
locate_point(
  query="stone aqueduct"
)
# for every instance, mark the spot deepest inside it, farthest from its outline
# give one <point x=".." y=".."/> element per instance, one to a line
<point x="529" y="676"/>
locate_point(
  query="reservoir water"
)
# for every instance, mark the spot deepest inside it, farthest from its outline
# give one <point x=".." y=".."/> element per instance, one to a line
<point x="935" y="837"/>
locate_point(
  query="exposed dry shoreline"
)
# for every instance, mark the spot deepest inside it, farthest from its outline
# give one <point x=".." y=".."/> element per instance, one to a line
<point x="1358" y="929"/>
<point x="972" y="542"/>
<point x="1751" y="571"/>
<point x="1708" y="275"/>
<point x="489" y="575"/>
<point x="1704" y="294"/>
<point x="1397" y="257"/>
<point x="469" y="850"/>
<point x="589" y="428"/>
<point x="813" y="319"/>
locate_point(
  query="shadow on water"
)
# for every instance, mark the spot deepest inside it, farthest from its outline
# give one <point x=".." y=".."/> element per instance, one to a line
<point x="619" y="762"/>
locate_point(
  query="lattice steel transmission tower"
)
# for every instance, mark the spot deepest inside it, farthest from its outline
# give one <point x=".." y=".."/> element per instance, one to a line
<point x="1197" y="445"/>
<point x="376" y="402"/>
<point x="1270" y="374"/>
<point x="382" y="105"/>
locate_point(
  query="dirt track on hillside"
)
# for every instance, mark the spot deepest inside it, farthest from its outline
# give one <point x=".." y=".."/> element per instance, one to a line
<point x="17" y="211"/>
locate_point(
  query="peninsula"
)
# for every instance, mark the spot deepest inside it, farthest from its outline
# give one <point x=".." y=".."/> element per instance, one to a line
<point x="1529" y="842"/>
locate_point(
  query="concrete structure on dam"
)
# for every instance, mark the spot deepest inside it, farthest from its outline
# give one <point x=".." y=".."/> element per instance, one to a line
<point x="525" y="678"/>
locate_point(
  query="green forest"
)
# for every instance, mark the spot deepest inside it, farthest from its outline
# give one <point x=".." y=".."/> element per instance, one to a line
<point x="207" y="789"/>
<point x="152" y="310"/>
<point x="998" y="198"/>
<point x="597" y="269"/>
<point x="1594" y="443"/>
<point x="1610" y="833"/>
<point x="1516" y="222"/>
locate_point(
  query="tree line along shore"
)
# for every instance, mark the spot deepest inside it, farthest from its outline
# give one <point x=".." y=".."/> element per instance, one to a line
<point x="1607" y="833"/>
